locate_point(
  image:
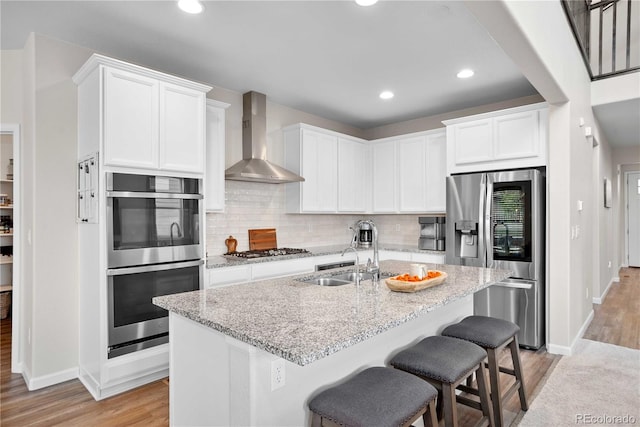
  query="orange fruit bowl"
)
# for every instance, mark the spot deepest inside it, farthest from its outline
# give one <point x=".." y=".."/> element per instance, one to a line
<point x="408" y="283"/>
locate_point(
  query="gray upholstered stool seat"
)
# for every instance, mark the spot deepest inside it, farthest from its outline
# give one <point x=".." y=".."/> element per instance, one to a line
<point x="376" y="397"/>
<point x="446" y="362"/>
<point x="487" y="332"/>
<point x="493" y="335"/>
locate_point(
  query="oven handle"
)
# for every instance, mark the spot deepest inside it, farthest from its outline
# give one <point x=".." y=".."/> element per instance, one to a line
<point x="150" y="268"/>
<point x="141" y="195"/>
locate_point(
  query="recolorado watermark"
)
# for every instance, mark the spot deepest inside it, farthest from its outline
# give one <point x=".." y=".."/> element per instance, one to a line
<point x="605" y="419"/>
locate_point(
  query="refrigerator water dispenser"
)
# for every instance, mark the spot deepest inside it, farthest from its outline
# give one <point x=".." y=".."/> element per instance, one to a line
<point x="467" y="239"/>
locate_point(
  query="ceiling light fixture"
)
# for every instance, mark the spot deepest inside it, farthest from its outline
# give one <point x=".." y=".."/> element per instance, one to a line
<point x="190" y="6"/>
<point x="387" y="94"/>
<point x="465" y="74"/>
<point x="366" y="2"/>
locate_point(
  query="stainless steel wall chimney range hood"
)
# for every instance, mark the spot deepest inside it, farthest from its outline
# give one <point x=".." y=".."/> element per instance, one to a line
<point x="254" y="166"/>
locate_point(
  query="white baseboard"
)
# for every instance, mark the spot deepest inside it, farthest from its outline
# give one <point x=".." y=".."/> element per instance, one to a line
<point x="36" y="383"/>
<point x="568" y="350"/>
<point x="599" y="300"/>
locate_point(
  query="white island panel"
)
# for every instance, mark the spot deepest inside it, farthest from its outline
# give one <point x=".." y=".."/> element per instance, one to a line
<point x="220" y="381"/>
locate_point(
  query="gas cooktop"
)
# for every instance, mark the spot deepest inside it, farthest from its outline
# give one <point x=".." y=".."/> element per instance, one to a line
<point x="267" y="253"/>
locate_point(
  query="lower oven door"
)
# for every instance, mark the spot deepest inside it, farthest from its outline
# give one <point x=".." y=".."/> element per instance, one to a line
<point x="134" y="321"/>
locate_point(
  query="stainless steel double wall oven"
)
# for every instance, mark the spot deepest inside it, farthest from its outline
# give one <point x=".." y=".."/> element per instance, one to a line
<point x="153" y="248"/>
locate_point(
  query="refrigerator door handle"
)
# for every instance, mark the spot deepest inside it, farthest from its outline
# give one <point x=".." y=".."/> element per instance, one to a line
<point x="516" y="283"/>
<point x="488" y="229"/>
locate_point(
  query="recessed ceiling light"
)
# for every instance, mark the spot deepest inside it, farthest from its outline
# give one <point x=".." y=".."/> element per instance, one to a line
<point x="366" y="2"/>
<point x="465" y="74"/>
<point x="190" y="6"/>
<point x="387" y="94"/>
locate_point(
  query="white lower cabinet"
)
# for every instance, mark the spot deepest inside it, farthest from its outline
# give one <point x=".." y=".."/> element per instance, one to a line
<point x="428" y="258"/>
<point x="269" y="270"/>
<point x="228" y="275"/>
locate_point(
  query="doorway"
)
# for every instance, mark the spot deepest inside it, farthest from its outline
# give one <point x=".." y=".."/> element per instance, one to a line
<point x="10" y="242"/>
<point x="633" y="219"/>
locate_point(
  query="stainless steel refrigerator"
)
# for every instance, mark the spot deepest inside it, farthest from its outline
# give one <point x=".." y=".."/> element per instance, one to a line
<point x="497" y="220"/>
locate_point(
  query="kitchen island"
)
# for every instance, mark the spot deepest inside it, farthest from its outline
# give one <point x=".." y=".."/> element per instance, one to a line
<point x="254" y="354"/>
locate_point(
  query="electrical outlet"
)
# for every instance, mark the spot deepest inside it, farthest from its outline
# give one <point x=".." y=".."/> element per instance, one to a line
<point x="609" y="265"/>
<point x="277" y="374"/>
<point x="397" y="227"/>
<point x="587" y="292"/>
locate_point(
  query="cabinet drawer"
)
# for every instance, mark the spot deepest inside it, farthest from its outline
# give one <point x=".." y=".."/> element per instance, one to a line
<point x="281" y="268"/>
<point x="228" y="275"/>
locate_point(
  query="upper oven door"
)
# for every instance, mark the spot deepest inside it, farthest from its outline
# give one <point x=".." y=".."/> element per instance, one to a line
<point x="148" y="222"/>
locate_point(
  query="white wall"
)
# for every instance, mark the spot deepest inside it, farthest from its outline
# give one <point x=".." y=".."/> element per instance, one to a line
<point x="548" y="56"/>
<point x="49" y="309"/>
<point x="625" y="159"/>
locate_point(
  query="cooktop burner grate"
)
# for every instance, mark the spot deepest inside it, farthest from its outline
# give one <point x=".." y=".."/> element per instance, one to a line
<point x="267" y="253"/>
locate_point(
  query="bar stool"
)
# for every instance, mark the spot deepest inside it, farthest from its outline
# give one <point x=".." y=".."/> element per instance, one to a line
<point x="493" y="335"/>
<point x="445" y="363"/>
<point x="377" y="396"/>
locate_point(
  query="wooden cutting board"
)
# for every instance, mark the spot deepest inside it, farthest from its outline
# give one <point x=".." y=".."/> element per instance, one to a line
<point x="263" y="238"/>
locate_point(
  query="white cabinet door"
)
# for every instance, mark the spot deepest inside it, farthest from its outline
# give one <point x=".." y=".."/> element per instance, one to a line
<point x="353" y="190"/>
<point x="215" y="149"/>
<point x="473" y="142"/>
<point x="319" y="169"/>
<point x="182" y="129"/>
<point x="228" y="275"/>
<point x="384" y="177"/>
<point x="436" y="173"/>
<point x="429" y="258"/>
<point x="411" y="167"/>
<point x="516" y="135"/>
<point x="130" y="119"/>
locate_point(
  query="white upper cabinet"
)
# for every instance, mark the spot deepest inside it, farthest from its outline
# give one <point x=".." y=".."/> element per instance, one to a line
<point x="312" y="153"/>
<point x="384" y="177"/>
<point x="436" y="166"/>
<point x="422" y="172"/>
<point x="410" y="173"/>
<point x="343" y="174"/>
<point x="512" y="138"/>
<point x="131" y="119"/>
<point x="141" y="119"/>
<point x="353" y="188"/>
<point x="215" y="151"/>
<point x="182" y="129"/>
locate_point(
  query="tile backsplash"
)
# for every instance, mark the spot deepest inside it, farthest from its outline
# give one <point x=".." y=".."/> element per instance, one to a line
<point x="252" y="205"/>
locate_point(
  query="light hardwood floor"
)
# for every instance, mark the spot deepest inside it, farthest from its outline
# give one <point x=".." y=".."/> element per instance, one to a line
<point x="615" y="321"/>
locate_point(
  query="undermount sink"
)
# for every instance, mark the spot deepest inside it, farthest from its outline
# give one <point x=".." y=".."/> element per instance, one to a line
<point x="328" y="281"/>
<point x="342" y="279"/>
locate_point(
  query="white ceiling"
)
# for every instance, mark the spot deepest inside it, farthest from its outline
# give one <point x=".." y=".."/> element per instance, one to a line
<point x="329" y="58"/>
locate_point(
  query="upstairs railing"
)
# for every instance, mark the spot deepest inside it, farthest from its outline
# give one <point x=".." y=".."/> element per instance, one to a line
<point x="607" y="32"/>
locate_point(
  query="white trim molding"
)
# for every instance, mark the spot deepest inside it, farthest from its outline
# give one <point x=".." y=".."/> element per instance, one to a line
<point x="569" y="350"/>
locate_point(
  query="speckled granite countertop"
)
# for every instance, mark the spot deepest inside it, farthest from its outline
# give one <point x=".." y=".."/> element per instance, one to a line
<point x="302" y="322"/>
<point x="219" y="261"/>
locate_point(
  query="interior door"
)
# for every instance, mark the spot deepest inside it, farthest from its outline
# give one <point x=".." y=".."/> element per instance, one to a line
<point x="633" y="218"/>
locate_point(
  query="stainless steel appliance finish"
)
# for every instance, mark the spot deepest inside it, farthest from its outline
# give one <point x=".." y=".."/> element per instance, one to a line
<point x="254" y="165"/>
<point x="496" y="220"/>
<point x="432" y="233"/>
<point x="134" y="322"/>
<point x="152" y="219"/>
<point x="365" y="235"/>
